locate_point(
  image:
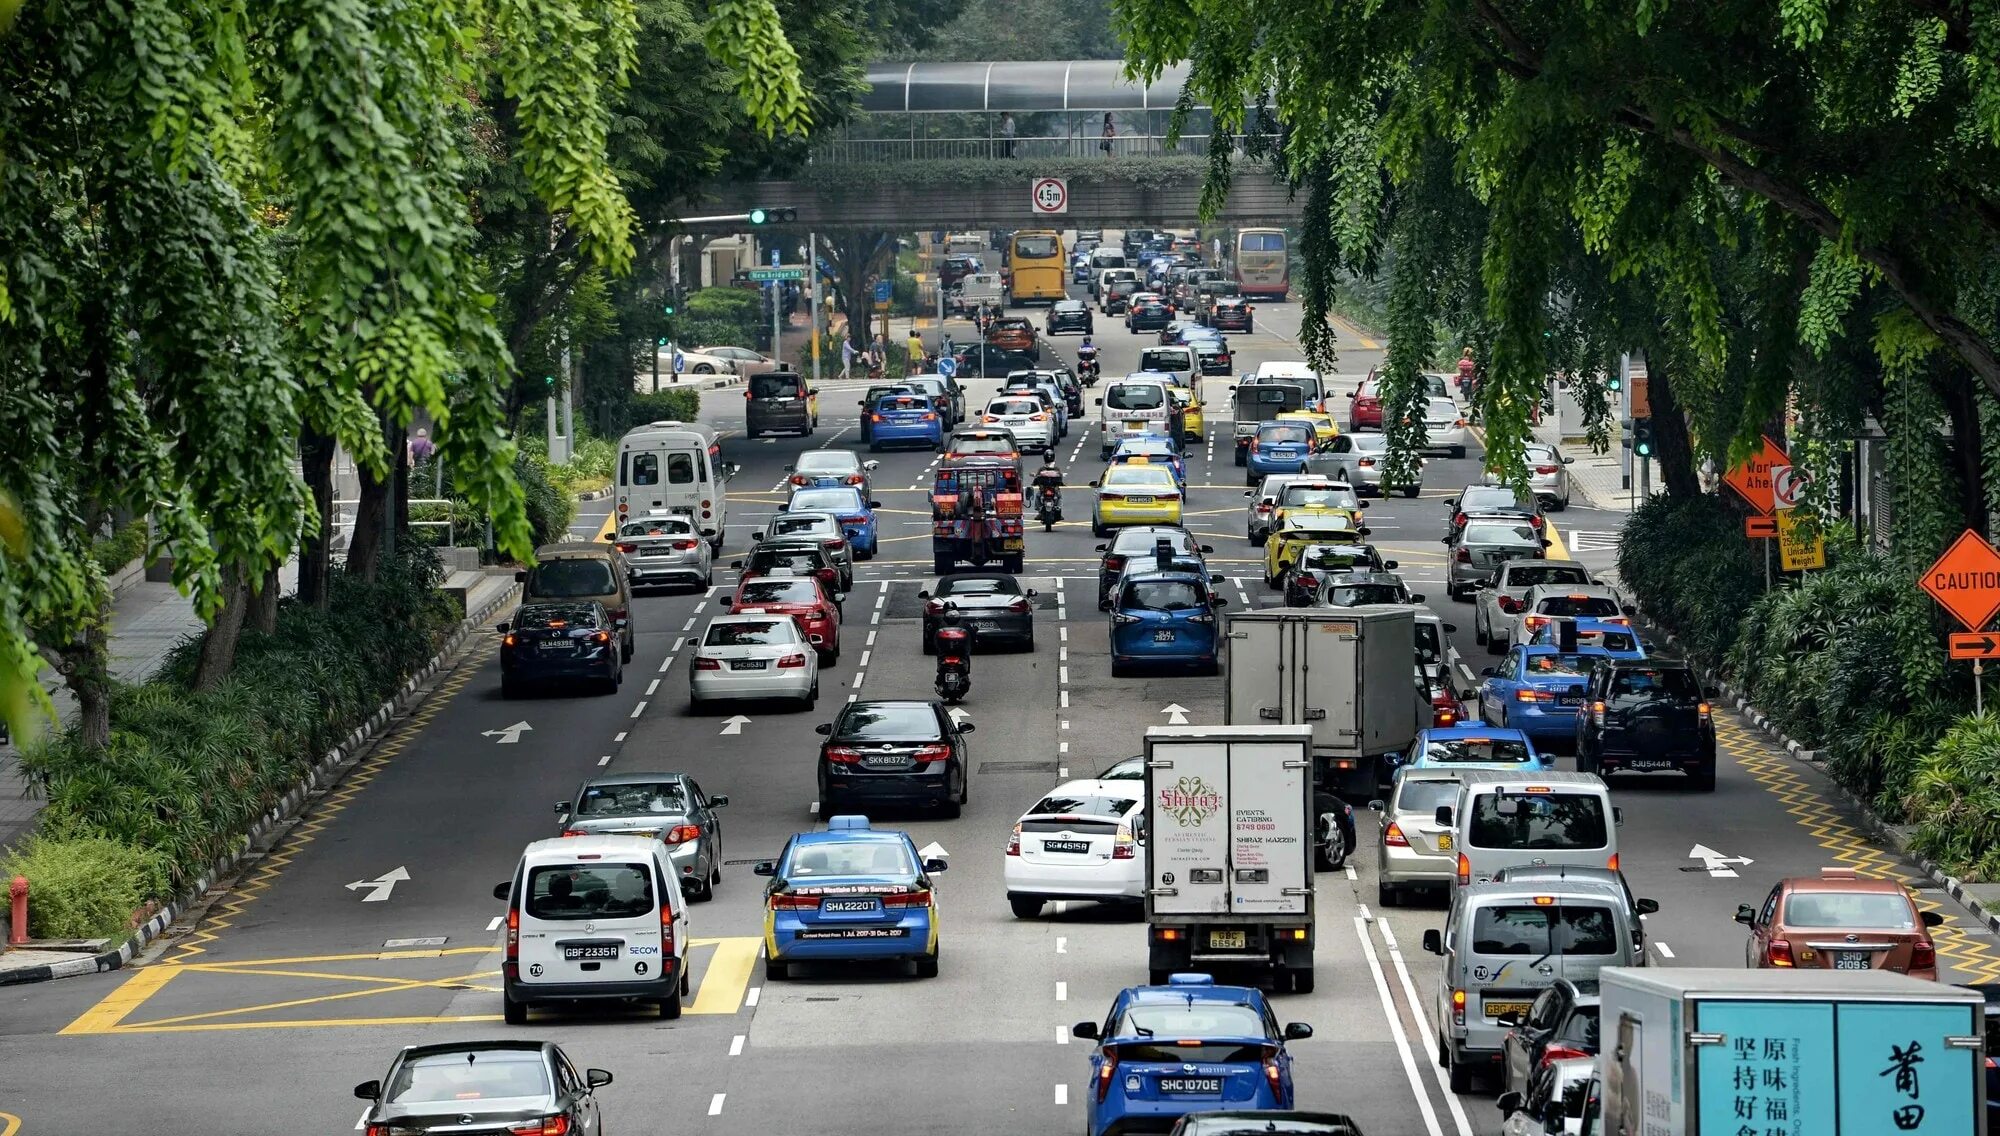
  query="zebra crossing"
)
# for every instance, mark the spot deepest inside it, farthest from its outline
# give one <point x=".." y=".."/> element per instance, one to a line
<point x="1590" y="540"/>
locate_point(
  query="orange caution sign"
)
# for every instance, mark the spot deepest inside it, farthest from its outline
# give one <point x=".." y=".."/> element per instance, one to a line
<point x="1752" y="479"/>
<point x="1966" y="580"/>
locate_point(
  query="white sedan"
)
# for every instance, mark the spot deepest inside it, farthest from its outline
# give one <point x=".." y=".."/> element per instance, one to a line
<point x="754" y="656"/>
<point x="1445" y="428"/>
<point x="1032" y="424"/>
<point x="1085" y="840"/>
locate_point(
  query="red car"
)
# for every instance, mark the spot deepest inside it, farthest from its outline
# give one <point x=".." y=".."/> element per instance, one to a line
<point x="1364" y="407"/>
<point x="804" y="598"/>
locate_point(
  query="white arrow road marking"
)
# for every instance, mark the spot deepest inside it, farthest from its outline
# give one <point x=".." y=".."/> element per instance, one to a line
<point x="734" y="724"/>
<point x="959" y="714"/>
<point x="1717" y="863"/>
<point x="378" y="889"/>
<point x="1176" y="714"/>
<point x="933" y="851"/>
<point x="508" y="735"/>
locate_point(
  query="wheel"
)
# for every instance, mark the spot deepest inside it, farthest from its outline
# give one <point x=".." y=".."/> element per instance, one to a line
<point x="1024" y="906"/>
<point x="927" y="966"/>
<point x="1030" y="647"/>
<point x="703" y="369"/>
<point x="775" y="971"/>
<point x="1458" y="451"/>
<point x="1302" y="981"/>
<point x="1495" y="645"/>
<point x="670" y="1006"/>
<point x="1461" y="1076"/>
<point x="874" y="447"/>
<point x="1410" y="491"/>
<point x="951" y="810"/>
<point x="1098" y="530"/>
<point x="1703" y="779"/>
<point x="1249" y="327"/>
<point x="514" y="1013"/>
<point x="1119" y="670"/>
<point x="1048" y="525"/>
<point x="941" y="564"/>
<point x="698" y="890"/>
<point x="1013" y="562"/>
<point x="625" y="650"/>
<point x="812" y="696"/>
<point x="1558" y="504"/>
<point x="1242" y="458"/>
<point x="831" y="657"/>
<point x="610" y="685"/>
<point x="1259" y="540"/>
<point x="1387" y="896"/>
<point x="1478" y="633"/>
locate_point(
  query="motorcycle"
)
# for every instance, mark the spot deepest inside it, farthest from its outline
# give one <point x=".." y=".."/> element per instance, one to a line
<point x="954" y="657"/>
<point x="1048" y="507"/>
<point x="1086" y="369"/>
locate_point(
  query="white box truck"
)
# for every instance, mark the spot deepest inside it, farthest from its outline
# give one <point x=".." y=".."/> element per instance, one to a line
<point x="1348" y="674"/>
<point x="1228" y="827"/>
<point x="1699" y="1052"/>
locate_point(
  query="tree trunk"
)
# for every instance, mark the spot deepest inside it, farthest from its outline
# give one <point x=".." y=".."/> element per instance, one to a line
<point x="399" y="457"/>
<point x="1961" y="402"/>
<point x="1672" y="447"/>
<point x="264" y="604"/>
<point x="316" y="458"/>
<point x="364" y="549"/>
<point x="218" y="647"/>
<point x="85" y="665"/>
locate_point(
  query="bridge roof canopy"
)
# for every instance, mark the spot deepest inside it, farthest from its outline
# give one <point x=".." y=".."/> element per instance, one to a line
<point x="1052" y="85"/>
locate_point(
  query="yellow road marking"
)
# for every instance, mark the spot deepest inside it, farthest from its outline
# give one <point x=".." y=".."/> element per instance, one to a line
<point x="9" y="1124"/>
<point x="727" y="978"/>
<point x="604" y="530"/>
<point x="130" y="995"/>
<point x="1555" y="550"/>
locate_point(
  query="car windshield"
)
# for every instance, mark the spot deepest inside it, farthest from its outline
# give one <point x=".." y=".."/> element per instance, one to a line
<point x="1036" y="248"/>
<point x="1142" y="540"/>
<point x="1136" y="396"/>
<point x="1285" y="432"/>
<point x="1069" y="305"/>
<point x="1195" y="1019"/>
<point x="828" y="500"/>
<point x="1163" y="595"/>
<point x="851" y="858"/>
<point x="1130" y="769"/>
<point x="965" y="445"/>
<point x="1580" y="1028"/>
<point x="795" y="559"/>
<point x="1441" y="410"/>
<point x="1449" y="750"/>
<point x="1646" y="685"/>
<point x="1424" y="798"/>
<point x="631" y="799"/>
<point x="1324" y="496"/>
<point x="1557" y="665"/>
<point x="1613" y="640"/>
<point x="888" y="721"/>
<point x="597" y="890"/>
<point x="826" y="461"/>
<point x="978" y="586"/>
<point x="571" y="577"/>
<point x="909" y="401"/>
<point x="1354" y="595"/>
<point x="793" y="523"/>
<point x="1489" y="497"/>
<point x="765" y="590"/>
<point x="1333" y="557"/>
<point x="1126" y="475"/>
<point x="1859" y="909"/>
<point x="1535" y="931"/>
<point x="751" y="633"/>
<point x="1577" y="605"/>
<point x="1494" y="532"/>
<point x="1084" y="805"/>
<point x="476" y="1075"/>
<point x="1556" y="575"/>
<point x="1541" y="821"/>
<point x="1015" y="406"/>
<point x="1369" y="443"/>
<point x="776" y="385"/>
<point x="1158" y="360"/>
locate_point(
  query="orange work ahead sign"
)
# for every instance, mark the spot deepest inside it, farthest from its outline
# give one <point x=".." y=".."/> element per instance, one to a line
<point x="1752" y="479"/>
<point x="1966" y="580"/>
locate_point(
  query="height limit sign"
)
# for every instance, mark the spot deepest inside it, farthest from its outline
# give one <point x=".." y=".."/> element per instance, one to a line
<point x="1048" y="195"/>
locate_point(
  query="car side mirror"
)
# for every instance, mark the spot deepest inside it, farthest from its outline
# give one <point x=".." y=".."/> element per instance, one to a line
<point x="1364" y="530"/>
<point x="502" y="627"/>
<point x="1442" y="815"/>
<point x="1646" y="906"/>
<point x="967" y="727"/>
<point x="1932" y="918"/>
<point x="1084" y="1030"/>
<point x="1447" y="540"/>
<point x="934" y="864"/>
<point x="839" y="598"/>
<point x="923" y="594"/>
<point x="1745" y="914"/>
<point x="562" y="808"/>
<point x="870" y="466"/>
<point x="520" y="577"/>
<point x="1416" y="597"/>
<point x="1548" y="544"/>
<point x="720" y="800"/>
<point x="1206" y="548"/>
<point x="1711" y="692"/>
<point x="1032" y="593"/>
<point x="1569" y="461"/>
<point x="1629" y="609"/>
<point x="1509" y="1102"/>
<point x="1450" y="627"/>
<point x="1617" y="815"/>
<point x="1391" y="566"/>
<point x="1102" y="547"/>
<point x="502" y="890"/>
<point x="736" y="564"/>
<point x="1362" y="504"/>
<point x="1100" y="402"/>
<point x="1467" y="694"/>
<point x="791" y="469"/>
<point x="1246" y="493"/>
<point x="1297" y="1031"/>
<point x="1377" y="806"/>
<point x="621" y="624"/>
<point x="611" y="537"/>
<point x="1217" y="601"/>
<point x="764" y="868"/>
<point x="731" y="470"/>
<point x="1487" y="672"/>
<point x="874" y="504"/>
<point x="823" y="729"/>
<point x="1434" y="941"/>
<point x="597" y="1078"/>
<point x="1093" y="485"/>
<point x="369" y="1090"/>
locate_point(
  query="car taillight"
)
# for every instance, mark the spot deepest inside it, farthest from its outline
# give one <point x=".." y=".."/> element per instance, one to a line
<point x="1038" y="418"/>
<point x="601" y="637"/>
<point x="854" y="479"/>
<point x="1545" y="469"/>
<point x="575" y="832"/>
<point x="1106" y="1071"/>
<point x="627" y="547"/>
<point x="1020" y="605"/>
<point x="685" y="545"/>
<point x="1464" y="869"/>
<point x="1525" y="695"/>
<point x="1014" y="841"/>
<point x="874" y="418"/>
<point x="843" y="755"/>
<point x="797" y="660"/>
<point x="988" y="418"/>
<point x="1458" y="520"/>
<point x="1701" y="709"/>
<point x="853" y="520"/>
<point x="746" y="396"/>
<point x="932" y="753"/>
<point x="1273" y="1076"/>
<point x="513" y="935"/>
<point x="1114" y="562"/>
<point x="786" y="901"/>
<point x="1597" y="712"/>
<point x="1612" y="863"/>
<point x="826" y="574"/>
<point x="705" y="664"/>
<point x="1534" y="622"/>
<point x="1923" y="955"/>
<point x="1536" y="521"/>
<point x="1366" y="463"/>
<point x="1779" y="953"/>
<point x="1111" y="496"/>
<point x="929" y="417"/>
<point x="834" y="542"/>
<point x="1458" y="1002"/>
<point x="1622" y="621"/>
<point x="1124" y="846"/>
<point x="801" y="479"/>
<point x="680" y="834"/>
<point x="1510" y="605"/>
<point x="933" y="607"/>
<point x="1463" y="556"/>
<point x="1460" y="422"/>
<point x="509" y="641"/>
<point x="1561" y="1053"/>
<point x="907" y="899"/>
<point x="1393" y="836"/>
<point x="1253" y="445"/>
<point x="1263" y="506"/>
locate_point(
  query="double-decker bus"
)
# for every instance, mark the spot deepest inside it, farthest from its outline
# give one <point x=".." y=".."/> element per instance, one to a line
<point x="1263" y="264"/>
<point x="1037" y="269"/>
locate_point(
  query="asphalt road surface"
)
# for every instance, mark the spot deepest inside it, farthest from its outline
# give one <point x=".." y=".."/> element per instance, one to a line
<point x="263" y="1015"/>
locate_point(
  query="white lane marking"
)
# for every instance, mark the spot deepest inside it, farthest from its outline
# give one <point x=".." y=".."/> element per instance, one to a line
<point x="1350" y="872"/>
<point x="639" y="709"/>
<point x="1062" y="1036"/>
<point x="1396" y="1027"/>
<point x="1062" y="991"/>
<point x="750" y="995"/>
<point x="1389" y="939"/>
<point x="715" y="1104"/>
<point x="864" y="658"/>
<point x="1666" y="952"/>
<point x="1062" y="675"/>
<point x="620" y="737"/>
<point x="699" y="606"/>
<point x="1065" y="724"/>
<point x="1062" y="654"/>
<point x="1062" y="905"/>
<point x="736" y="1045"/>
<point x="871" y="637"/>
<point x="1065" y="699"/>
<point x="652" y="688"/>
<point x="1062" y="747"/>
<point x="1062" y="773"/>
<point x="1443" y="1079"/>
<point x="813" y="808"/>
<point x="1062" y="1094"/>
<point x="604" y="761"/>
<point x="665" y="663"/>
<point x="1062" y="941"/>
<point x="495" y="924"/>
<point x="689" y="625"/>
<point x="853" y="697"/>
<point x="1063" y="633"/>
<point x="858" y="676"/>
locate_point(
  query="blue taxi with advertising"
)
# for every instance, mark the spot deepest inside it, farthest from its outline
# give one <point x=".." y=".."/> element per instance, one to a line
<point x="1537" y="690"/>
<point x="1151" y="449"/>
<point x="1618" y="640"/>
<point x="1188" y="1046"/>
<point x="855" y="512"/>
<point x="905" y="420"/>
<point x="1475" y="747"/>
<point x="850" y="894"/>
<point x="1164" y="616"/>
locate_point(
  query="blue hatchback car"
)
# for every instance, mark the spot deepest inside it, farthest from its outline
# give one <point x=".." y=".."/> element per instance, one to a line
<point x="1189" y="1046"/>
<point x="905" y="420"/>
<point x="856" y="513"/>
<point x="850" y="893"/>
<point x="1538" y="691"/>
<point x="1165" y="618"/>
<point x="1475" y="747"/>
<point x="1279" y="447"/>
<point x="1618" y="640"/>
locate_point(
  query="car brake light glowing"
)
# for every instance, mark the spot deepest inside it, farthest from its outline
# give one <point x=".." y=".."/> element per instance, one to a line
<point x="796" y="660"/>
<point x="509" y="641"/>
<point x="1525" y="695"/>
<point x="625" y="546"/>
<point x="1014" y="841"/>
<point x="1536" y="521"/>
<point x="874" y="418"/>
<point x="933" y="752"/>
<point x="601" y="637"/>
<point x="1020" y="605"/>
<point x="575" y="832"/>
<point x="1393" y="836"/>
<point x="513" y="934"/>
<point x="1510" y="605"/>
<point x="854" y="479"/>
<point x="1561" y="1053"/>
<point x="1779" y="953"/>
<point x="1273" y="1076"/>
<point x="843" y="755"/>
<point x="1701" y="708"/>
<point x="680" y="834"/>
<point x="1458" y="1001"/>
<point x="1541" y="468"/>
<point x="702" y="664"/>
<point x="1612" y="863"/>
<point x="786" y="901"/>
<point x="1597" y="712"/>
<point x="1458" y="520"/>
<point x="801" y="479"/>
<point x="833" y="542"/>
<point x="1106" y="1071"/>
<point x="1366" y="463"/>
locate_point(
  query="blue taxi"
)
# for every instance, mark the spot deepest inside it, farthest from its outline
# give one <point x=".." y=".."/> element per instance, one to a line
<point x="850" y="894"/>
<point x="1278" y="447"/>
<point x="904" y="420"/>
<point x="855" y="512"/>
<point x="1475" y="747"/>
<point x="1153" y="449"/>
<point x="1188" y="1046"/>
<point x="1618" y="640"/>
<point x="1537" y="690"/>
<point x="1164" y="616"/>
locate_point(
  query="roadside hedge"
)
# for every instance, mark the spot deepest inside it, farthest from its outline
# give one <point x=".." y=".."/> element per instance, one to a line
<point x="186" y="774"/>
<point x="1688" y="562"/>
<point x="84" y="887"/>
<point x="672" y="405"/>
<point x="1956" y="793"/>
<point x="724" y="316"/>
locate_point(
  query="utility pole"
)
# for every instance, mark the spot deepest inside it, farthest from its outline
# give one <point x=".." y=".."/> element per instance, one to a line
<point x="1625" y="420"/>
<point x="812" y="274"/>
<point x="571" y="372"/>
<point x="777" y="311"/>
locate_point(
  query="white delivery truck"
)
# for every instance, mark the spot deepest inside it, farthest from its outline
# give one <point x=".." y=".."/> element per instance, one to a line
<point x="1798" y="1052"/>
<point x="1346" y="673"/>
<point x="1228" y="829"/>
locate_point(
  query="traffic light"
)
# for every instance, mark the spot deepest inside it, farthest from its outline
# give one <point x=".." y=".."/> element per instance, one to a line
<point x="1615" y="383"/>
<point x="773" y="215"/>
<point x="1642" y="437"/>
<point x="549" y="381"/>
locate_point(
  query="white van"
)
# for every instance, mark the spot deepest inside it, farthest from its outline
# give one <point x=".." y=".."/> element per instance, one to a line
<point x="592" y="918"/>
<point x="1133" y="405"/>
<point x="972" y="243"/>
<point x="1303" y="375"/>
<point x="976" y="288"/>
<point x="1544" y="820"/>
<point x="675" y="467"/>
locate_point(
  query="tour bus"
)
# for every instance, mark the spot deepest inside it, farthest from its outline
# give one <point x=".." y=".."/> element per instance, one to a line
<point x="1038" y="271"/>
<point x="674" y="467"/>
<point x="1263" y="264"/>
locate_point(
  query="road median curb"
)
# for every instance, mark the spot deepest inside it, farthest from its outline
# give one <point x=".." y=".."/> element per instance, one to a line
<point x="328" y="772"/>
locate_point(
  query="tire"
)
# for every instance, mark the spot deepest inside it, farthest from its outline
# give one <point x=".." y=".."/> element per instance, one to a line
<point x="1118" y="669"/>
<point x="512" y="1012"/>
<point x="1458" y="451"/>
<point x="1703" y="780"/>
<point x="1024" y="906"/>
<point x="670" y="1006"/>
<point x="927" y="966"/>
<point x="1260" y="540"/>
<point x="1558" y="505"/>
<point x="1098" y="530"/>
<point x="812" y="697"/>
<point x="1495" y="646"/>
<point x="1386" y="895"/>
<point x="1479" y="635"/>
<point x="775" y="971"/>
<point x="1302" y="981"/>
<point x="1014" y="562"/>
<point x="703" y="369"/>
<point x="874" y="447"/>
<point x="1461" y="1076"/>
<point x="951" y="810"/>
<point x="625" y="651"/>
<point x="1410" y="492"/>
<point x="1242" y="458"/>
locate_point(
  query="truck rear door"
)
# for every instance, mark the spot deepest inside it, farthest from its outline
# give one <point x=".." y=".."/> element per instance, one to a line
<point x="1268" y="829"/>
<point x="1187" y="825"/>
<point x="1328" y="683"/>
<point x="1258" y="662"/>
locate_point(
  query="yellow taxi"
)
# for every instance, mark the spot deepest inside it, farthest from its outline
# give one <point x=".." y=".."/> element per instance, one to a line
<point x="1187" y="397"/>
<point x="1324" y="428"/>
<point x="1135" y="494"/>
<point x="1282" y="550"/>
<point x="1308" y="498"/>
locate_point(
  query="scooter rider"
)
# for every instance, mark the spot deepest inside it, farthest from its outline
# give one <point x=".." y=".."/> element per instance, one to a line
<point x="1048" y="482"/>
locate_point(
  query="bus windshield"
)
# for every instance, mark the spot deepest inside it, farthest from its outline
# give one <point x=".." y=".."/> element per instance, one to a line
<point x="1038" y="246"/>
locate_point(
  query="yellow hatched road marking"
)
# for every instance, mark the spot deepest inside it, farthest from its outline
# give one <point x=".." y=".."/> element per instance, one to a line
<point x="727" y="978"/>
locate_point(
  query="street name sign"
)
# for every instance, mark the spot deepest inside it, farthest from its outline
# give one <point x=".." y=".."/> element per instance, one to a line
<point x="1965" y="581"/>
<point x="788" y="272"/>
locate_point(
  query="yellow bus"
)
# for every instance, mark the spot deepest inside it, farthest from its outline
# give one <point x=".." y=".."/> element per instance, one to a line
<point x="1037" y="270"/>
<point x="1263" y="264"/>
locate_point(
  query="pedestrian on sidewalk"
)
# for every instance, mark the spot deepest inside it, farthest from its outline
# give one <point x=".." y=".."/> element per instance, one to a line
<point x="1110" y="134"/>
<point x="846" y="356"/>
<point x="1006" y="134"/>
<point x="421" y="447"/>
<point x="916" y="350"/>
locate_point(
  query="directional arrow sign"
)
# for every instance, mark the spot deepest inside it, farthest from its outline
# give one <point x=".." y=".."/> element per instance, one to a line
<point x="378" y="889"/>
<point x="734" y="724"/>
<point x="1975" y="645"/>
<point x="933" y="851"/>
<point x="1176" y="714"/>
<point x="1717" y="863"/>
<point x="508" y="735"/>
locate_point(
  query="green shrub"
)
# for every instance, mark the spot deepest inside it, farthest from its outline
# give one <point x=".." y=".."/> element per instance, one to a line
<point x="112" y="553"/>
<point x="550" y="508"/>
<point x="721" y="316"/>
<point x="83" y="887"/>
<point x="1955" y="798"/>
<point x="1687" y="561"/>
<point x="664" y="406"/>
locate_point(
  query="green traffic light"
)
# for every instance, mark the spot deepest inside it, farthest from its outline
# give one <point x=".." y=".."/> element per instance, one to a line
<point x="1616" y="384"/>
<point x="757" y="216"/>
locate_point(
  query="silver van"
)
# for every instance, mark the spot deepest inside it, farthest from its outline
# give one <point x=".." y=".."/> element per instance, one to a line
<point x="1550" y="819"/>
<point x="1503" y="944"/>
<point x="1414" y="851"/>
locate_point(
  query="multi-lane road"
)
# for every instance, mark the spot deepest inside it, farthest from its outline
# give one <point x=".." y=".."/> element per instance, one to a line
<point x="296" y="985"/>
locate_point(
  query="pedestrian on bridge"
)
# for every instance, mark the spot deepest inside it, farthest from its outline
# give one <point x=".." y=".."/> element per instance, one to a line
<point x="1110" y="135"/>
<point x="1007" y="134"/>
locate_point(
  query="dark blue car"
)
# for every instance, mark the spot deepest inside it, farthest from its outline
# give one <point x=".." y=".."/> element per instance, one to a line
<point x="855" y="512"/>
<point x="1165" y="618"/>
<point x="905" y="420"/>
<point x="1278" y="447"/>
<point x="850" y="894"/>
<point x="556" y="642"/>
<point x="1189" y="1046"/>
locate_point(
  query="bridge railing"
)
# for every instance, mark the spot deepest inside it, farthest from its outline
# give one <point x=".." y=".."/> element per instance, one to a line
<point x="858" y="150"/>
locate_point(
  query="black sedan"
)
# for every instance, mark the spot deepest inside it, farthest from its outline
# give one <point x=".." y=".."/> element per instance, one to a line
<point x="1212" y="357"/>
<point x="1148" y="315"/>
<point x="1069" y="315"/>
<point x="1231" y="313"/>
<point x="554" y="642"/>
<point x="991" y="604"/>
<point x="893" y="752"/>
<point x="986" y="359"/>
<point x="484" y="1088"/>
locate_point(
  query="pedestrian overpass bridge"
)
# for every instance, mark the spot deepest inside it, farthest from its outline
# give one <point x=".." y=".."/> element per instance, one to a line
<point x="977" y="145"/>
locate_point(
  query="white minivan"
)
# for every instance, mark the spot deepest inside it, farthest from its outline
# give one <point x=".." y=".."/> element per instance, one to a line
<point x="674" y="467"/>
<point x="1543" y="820"/>
<point x="594" y="918"/>
<point x="1135" y="404"/>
